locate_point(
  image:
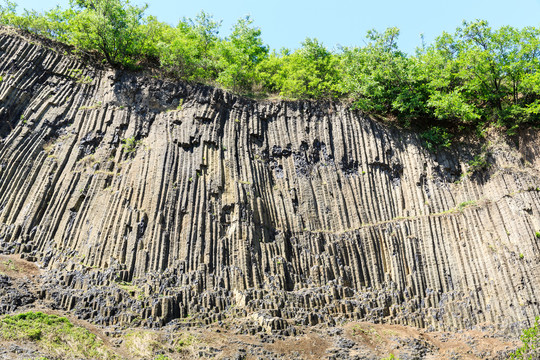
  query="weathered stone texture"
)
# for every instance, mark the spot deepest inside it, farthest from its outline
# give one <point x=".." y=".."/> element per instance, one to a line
<point x="223" y="206"/>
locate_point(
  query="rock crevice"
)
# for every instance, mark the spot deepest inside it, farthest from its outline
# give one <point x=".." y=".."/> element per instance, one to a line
<point x="151" y="201"/>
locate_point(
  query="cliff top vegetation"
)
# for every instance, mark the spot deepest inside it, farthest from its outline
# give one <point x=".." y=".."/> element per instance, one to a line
<point x="472" y="79"/>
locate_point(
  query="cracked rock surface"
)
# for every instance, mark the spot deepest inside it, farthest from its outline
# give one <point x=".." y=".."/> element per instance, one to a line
<point x="150" y="202"/>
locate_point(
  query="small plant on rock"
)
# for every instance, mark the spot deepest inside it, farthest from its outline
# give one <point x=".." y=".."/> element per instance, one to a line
<point x="162" y="357"/>
<point x="184" y="342"/>
<point x="436" y="138"/>
<point x="479" y="163"/>
<point x="465" y="204"/>
<point x="130" y="144"/>
<point x="79" y="77"/>
<point x="531" y="343"/>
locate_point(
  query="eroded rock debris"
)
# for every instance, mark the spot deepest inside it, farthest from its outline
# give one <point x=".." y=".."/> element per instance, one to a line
<point x="150" y="202"/>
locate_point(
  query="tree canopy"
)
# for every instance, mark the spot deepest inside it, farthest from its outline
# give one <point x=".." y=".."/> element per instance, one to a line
<point x="473" y="78"/>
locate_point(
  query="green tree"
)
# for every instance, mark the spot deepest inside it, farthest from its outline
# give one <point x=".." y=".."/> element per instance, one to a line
<point x="270" y="71"/>
<point x="189" y="50"/>
<point x="53" y="24"/>
<point x="111" y="26"/>
<point x="479" y="74"/>
<point x="309" y="72"/>
<point x="8" y="13"/>
<point x="471" y="78"/>
<point x="239" y="56"/>
<point x="382" y="79"/>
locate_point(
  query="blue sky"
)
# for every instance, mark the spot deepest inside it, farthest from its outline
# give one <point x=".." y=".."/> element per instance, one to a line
<point x="340" y="22"/>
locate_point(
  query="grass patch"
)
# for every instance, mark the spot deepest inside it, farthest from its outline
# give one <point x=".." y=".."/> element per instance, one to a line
<point x="79" y="77"/>
<point x="465" y="204"/>
<point x="141" y="343"/>
<point x="369" y="331"/>
<point x="54" y="334"/>
<point x="185" y="342"/>
<point x="88" y="160"/>
<point x="48" y="147"/>
<point x="151" y="344"/>
<point x="9" y="265"/>
<point x="91" y="107"/>
<point x="128" y="287"/>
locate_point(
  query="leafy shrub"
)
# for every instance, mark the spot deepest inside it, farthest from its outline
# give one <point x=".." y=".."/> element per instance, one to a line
<point x="309" y="72"/>
<point x="531" y="343"/>
<point x="111" y="26"/>
<point x="437" y="137"/>
<point x="130" y="144"/>
<point x="189" y="51"/>
<point x="452" y="106"/>
<point x="479" y="163"/>
<point x="475" y="77"/>
<point x="239" y="56"/>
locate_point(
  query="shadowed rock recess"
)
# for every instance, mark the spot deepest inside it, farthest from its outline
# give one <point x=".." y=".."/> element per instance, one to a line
<point x="147" y="201"/>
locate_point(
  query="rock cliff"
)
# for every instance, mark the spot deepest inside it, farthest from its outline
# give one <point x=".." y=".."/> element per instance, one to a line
<point x="147" y="201"/>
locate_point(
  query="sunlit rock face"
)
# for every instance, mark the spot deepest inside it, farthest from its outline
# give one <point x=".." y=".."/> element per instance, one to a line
<point x="148" y="201"/>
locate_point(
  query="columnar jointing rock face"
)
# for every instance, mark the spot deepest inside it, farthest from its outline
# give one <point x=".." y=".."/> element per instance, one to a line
<point x="211" y="205"/>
